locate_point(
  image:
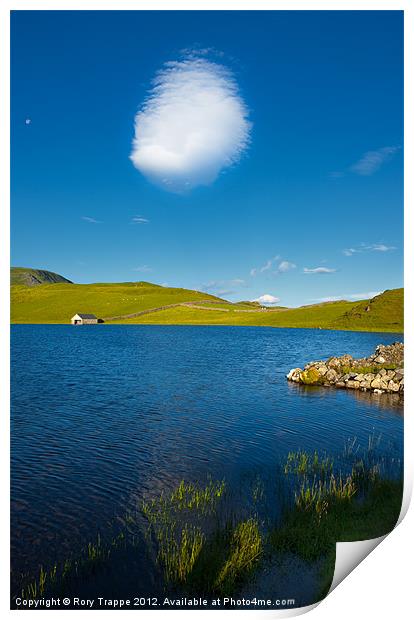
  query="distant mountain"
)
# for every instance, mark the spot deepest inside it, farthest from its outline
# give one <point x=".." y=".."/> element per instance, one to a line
<point x="34" y="277"/>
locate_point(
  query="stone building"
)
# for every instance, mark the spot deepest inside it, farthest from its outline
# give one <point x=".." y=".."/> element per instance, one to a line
<point x="84" y="319"/>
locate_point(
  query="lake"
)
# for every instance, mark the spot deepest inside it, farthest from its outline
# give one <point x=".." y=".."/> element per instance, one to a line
<point x="103" y="416"/>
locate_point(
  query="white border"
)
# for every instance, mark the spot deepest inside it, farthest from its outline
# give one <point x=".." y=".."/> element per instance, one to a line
<point x="381" y="586"/>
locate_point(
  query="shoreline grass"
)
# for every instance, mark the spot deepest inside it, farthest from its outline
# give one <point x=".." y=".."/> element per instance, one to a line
<point x="203" y="544"/>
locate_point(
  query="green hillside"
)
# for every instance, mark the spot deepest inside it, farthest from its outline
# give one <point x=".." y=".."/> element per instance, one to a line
<point x="384" y="312"/>
<point x="146" y="303"/>
<point x="321" y="315"/>
<point x="57" y="303"/>
<point x="34" y="277"/>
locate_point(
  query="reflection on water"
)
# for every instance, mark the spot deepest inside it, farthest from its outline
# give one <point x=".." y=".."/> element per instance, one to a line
<point x="383" y="401"/>
<point x="103" y="416"/>
<point x="388" y="402"/>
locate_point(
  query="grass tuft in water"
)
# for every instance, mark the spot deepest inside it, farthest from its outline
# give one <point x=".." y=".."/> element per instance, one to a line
<point x="304" y="463"/>
<point x="358" y="506"/>
<point x="178" y="554"/>
<point x="246" y="546"/>
<point x="202" y="547"/>
<point x="178" y="521"/>
<point x="91" y="557"/>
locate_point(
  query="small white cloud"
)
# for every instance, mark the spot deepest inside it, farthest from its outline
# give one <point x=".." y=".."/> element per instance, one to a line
<point x="266" y="267"/>
<point x="369" y="247"/>
<point x="372" y="161"/>
<point x="285" y="266"/>
<point x="318" y="270"/>
<point x="143" y="269"/>
<point x="380" y="247"/>
<point x="193" y="124"/>
<point x="138" y="219"/>
<point x="28" y="121"/>
<point x="91" y="220"/>
<point x="349" y="251"/>
<point x="267" y="300"/>
<point x="369" y="163"/>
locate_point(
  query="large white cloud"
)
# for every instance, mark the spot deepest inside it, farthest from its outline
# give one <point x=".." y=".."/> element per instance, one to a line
<point x="193" y="124"/>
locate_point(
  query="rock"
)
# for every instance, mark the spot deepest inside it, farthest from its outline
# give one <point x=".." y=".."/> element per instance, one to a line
<point x="330" y="372"/>
<point x="331" y="376"/>
<point x="294" y="375"/>
<point x="393" y="386"/>
<point x="392" y="353"/>
<point x="334" y="362"/>
<point x="310" y="376"/>
<point x="353" y="385"/>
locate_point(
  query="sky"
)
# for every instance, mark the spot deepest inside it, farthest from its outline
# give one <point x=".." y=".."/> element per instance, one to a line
<point x="251" y="155"/>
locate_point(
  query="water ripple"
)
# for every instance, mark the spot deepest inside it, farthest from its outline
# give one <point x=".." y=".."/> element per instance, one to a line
<point x="101" y="416"/>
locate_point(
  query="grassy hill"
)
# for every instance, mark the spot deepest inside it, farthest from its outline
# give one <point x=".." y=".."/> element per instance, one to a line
<point x="146" y="303"/>
<point x="384" y="312"/>
<point x="321" y="315"/>
<point x="34" y="277"/>
<point x="57" y="303"/>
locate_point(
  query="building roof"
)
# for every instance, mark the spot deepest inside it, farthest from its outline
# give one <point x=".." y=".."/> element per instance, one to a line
<point x="86" y="316"/>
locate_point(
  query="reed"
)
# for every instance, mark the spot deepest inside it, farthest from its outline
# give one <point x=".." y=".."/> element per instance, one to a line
<point x="303" y="463"/>
<point x="92" y="556"/>
<point x="179" y="554"/>
<point x="342" y="507"/>
<point x="178" y="522"/>
<point x="246" y="547"/>
<point x="203" y="548"/>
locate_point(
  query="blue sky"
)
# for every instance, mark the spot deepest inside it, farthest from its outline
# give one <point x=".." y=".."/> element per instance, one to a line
<point x="310" y="209"/>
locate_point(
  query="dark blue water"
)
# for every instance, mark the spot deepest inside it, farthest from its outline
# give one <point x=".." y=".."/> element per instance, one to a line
<point x="104" y="415"/>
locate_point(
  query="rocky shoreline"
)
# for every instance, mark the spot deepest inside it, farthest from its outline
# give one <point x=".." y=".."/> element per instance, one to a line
<point x="382" y="372"/>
